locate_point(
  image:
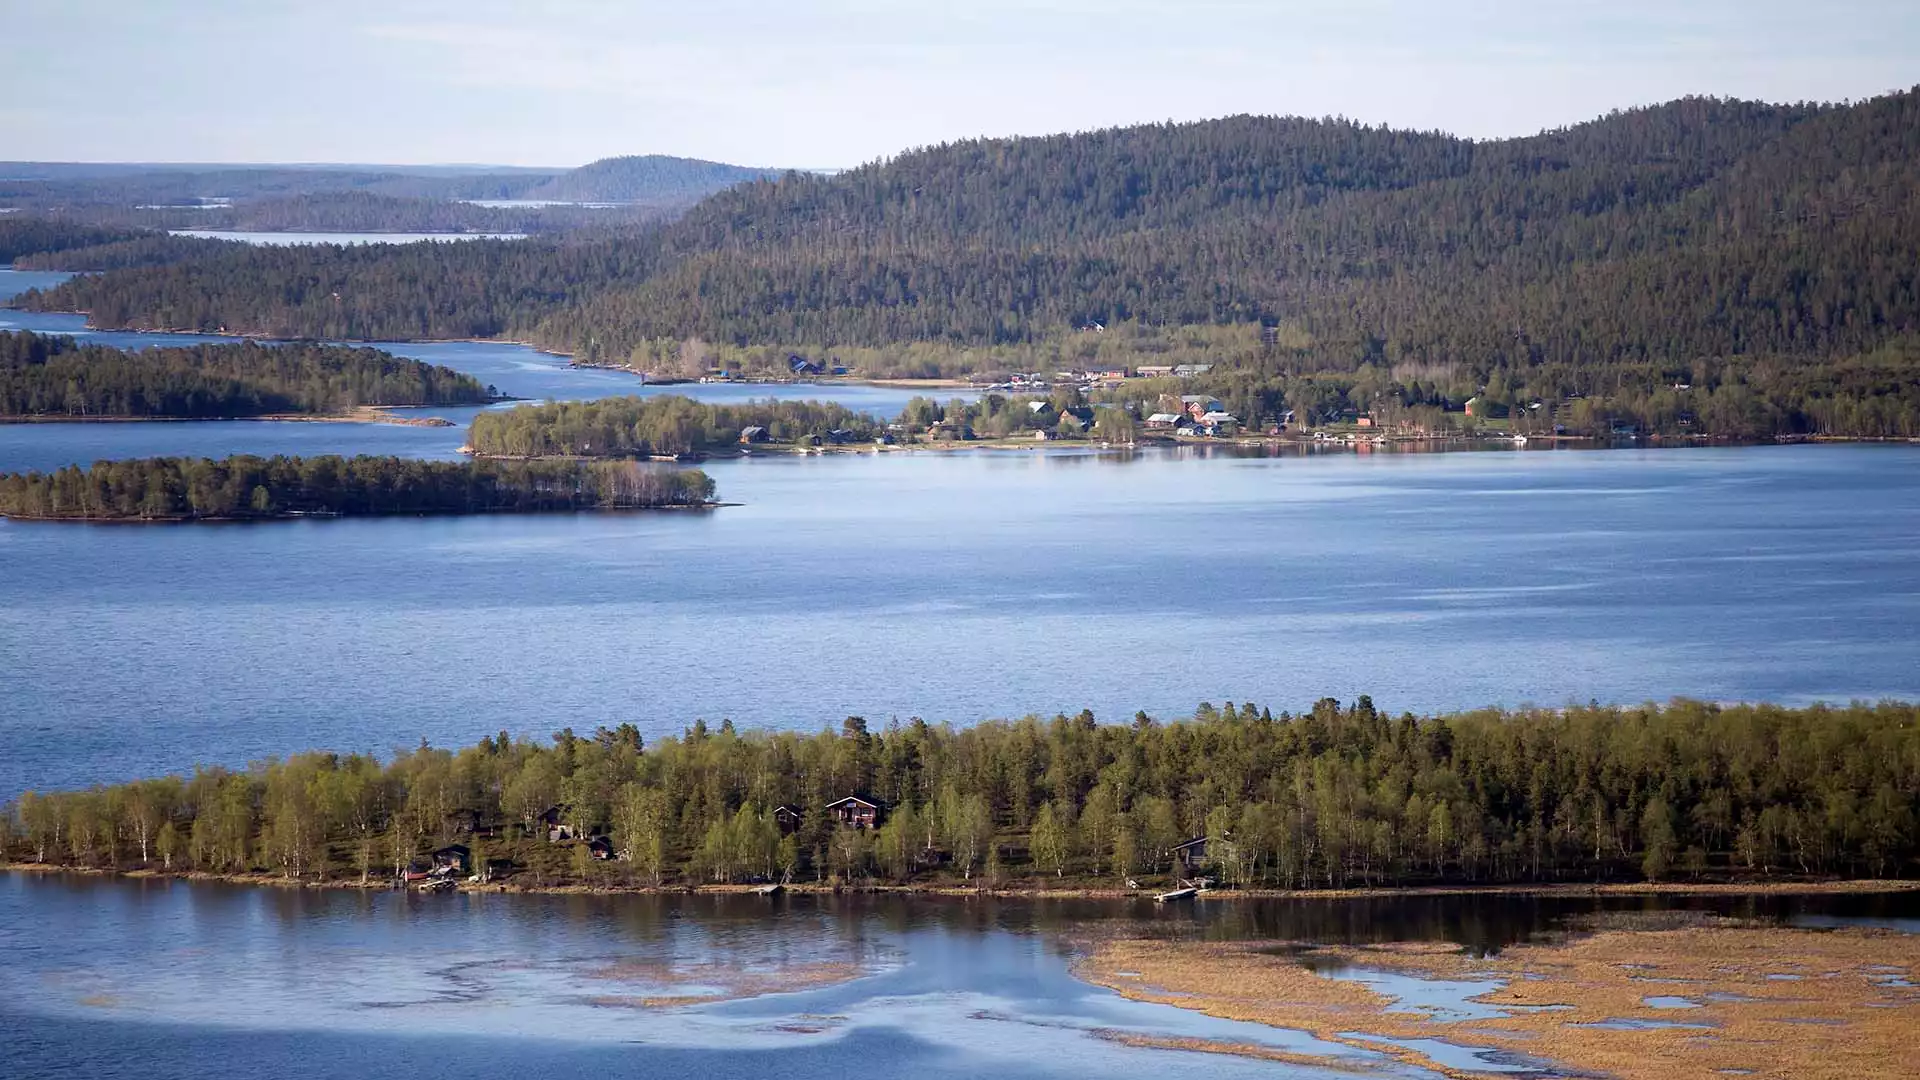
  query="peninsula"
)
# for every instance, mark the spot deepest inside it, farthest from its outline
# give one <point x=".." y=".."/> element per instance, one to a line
<point x="51" y="377"/>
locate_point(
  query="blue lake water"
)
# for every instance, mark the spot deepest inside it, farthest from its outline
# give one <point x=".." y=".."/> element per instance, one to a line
<point x="953" y="586"/>
<point x="969" y="585"/>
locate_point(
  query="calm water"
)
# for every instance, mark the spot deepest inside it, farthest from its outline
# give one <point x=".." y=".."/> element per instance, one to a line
<point x="515" y="369"/>
<point x="106" y="978"/>
<point x="971" y="585"/>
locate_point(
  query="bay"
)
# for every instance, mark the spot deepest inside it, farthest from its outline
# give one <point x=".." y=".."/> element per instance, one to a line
<point x="518" y="370"/>
<point x="205" y="980"/>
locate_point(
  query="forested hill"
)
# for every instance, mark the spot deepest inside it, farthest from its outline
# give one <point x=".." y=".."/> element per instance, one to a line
<point x="648" y="179"/>
<point x="1736" y="243"/>
<point x="43" y="376"/>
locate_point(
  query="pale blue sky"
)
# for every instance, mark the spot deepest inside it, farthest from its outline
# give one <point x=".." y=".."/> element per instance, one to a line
<point x="837" y="82"/>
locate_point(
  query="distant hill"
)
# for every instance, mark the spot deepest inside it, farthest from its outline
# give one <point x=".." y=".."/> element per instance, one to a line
<point x="648" y="179"/>
<point x="1765" y="252"/>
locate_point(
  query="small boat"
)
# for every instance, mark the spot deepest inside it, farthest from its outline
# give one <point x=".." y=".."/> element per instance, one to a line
<point x="1519" y="440"/>
<point x="1176" y="894"/>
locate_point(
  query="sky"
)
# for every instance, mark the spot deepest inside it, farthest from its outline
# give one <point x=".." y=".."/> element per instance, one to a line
<point x="834" y="83"/>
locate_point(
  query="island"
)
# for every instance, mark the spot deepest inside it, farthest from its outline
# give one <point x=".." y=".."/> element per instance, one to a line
<point x="1235" y="800"/>
<point x="248" y="488"/>
<point x="53" y="377"/>
<point x="1630" y="814"/>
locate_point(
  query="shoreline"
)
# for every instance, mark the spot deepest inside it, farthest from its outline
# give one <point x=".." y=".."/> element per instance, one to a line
<point x="1353" y="440"/>
<point x="364" y="414"/>
<point x="273" y="519"/>
<point x="1809" y="887"/>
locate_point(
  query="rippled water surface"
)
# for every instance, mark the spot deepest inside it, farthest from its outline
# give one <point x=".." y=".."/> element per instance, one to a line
<point x="969" y="585"/>
<point x="176" y="979"/>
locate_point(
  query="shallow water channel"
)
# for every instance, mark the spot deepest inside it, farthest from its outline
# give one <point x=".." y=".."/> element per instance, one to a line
<point x="161" y="979"/>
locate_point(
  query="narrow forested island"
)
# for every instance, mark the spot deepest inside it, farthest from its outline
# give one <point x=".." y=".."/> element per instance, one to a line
<point x="247" y="488"/>
<point x="55" y="377"/>
<point x="1237" y="797"/>
<point x="663" y="425"/>
<point x="668" y="425"/>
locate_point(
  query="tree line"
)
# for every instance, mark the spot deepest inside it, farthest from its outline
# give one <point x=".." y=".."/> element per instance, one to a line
<point x="1332" y="797"/>
<point x="47" y="375"/>
<point x="245" y="487"/>
<point x="660" y="425"/>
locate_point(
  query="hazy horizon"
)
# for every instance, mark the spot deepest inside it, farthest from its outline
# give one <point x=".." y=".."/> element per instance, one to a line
<point x="836" y="83"/>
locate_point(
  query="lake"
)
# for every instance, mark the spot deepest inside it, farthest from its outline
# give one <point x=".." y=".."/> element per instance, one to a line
<point x="957" y="586"/>
<point x="954" y="586"/>
<point x="177" y="979"/>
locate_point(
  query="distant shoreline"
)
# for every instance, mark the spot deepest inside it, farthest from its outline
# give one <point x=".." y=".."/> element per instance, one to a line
<point x="365" y="414"/>
<point x="272" y="519"/>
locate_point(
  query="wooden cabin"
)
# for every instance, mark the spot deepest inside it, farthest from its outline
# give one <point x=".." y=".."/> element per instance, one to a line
<point x="454" y="858"/>
<point x="855" y="812"/>
<point x="788" y="819"/>
<point x="1190" y="856"/>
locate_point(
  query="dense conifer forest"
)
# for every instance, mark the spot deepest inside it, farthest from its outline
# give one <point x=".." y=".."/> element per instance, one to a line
<point x="48" y="376"/>
<point x="1759" y="252"/>
<point x="247" y="487"/>
<point x="1335" y="796"/>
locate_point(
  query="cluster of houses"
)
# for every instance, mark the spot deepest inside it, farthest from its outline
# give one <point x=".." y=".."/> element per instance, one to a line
<point x="446" y="866"/>
<point x="754" y="433"/>
<point x="1196" y="414"/>
<point x="1092" y="378"/>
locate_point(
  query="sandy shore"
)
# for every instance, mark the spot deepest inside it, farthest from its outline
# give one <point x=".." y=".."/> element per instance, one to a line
<point x="1676" y="996"/>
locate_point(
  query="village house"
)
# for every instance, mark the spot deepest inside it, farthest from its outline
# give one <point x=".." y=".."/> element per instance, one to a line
<point x="1188" y="371"/>
<point x="855" y="812"/>
<point x="554" y="818"/>
<point x="1154" y="371"/>
<point x="788" y="819"/>
<point x="465" y="822"/>
<point x="601" y="847"/>
<point x="1190" y="856"/>
<point x="1216" y="423"/>
<point x="1163" y="421"/>
<point x="754" y="434"/>
<point x="453" y="859"/>
<point x="1199" y="405"/>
